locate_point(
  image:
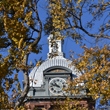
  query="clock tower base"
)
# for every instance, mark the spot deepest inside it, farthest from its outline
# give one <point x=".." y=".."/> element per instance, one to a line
<point x="50" y="105"/>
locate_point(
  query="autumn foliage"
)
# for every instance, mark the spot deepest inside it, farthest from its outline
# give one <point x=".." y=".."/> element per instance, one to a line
<point x="19" y="19"/>
<point x="95" y="64"/>
<point x="17" y="25"/>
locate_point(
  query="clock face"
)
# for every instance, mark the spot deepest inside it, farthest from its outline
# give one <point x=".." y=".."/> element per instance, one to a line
<point x="56" y="86"/>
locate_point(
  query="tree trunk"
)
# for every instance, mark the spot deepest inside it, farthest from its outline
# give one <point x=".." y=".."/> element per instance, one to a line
<point x="26" y="86"/>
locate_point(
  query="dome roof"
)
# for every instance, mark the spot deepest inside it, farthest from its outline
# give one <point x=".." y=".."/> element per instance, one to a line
<point x="37" y="73"/>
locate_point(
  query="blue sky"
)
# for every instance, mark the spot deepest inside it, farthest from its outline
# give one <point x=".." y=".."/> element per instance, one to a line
<point x="69" y="43"/>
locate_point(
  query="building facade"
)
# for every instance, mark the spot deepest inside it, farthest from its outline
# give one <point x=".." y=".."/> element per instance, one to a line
<point x="48" y="81"/>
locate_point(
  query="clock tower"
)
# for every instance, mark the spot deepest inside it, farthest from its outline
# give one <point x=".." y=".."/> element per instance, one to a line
<point x="48" y="81"/>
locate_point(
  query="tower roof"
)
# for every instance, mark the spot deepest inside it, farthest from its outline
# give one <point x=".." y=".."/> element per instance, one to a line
<point x="37" y="73"/>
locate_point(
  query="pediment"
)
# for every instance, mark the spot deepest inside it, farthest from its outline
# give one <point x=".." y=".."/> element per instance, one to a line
<point x="57" y="69"/>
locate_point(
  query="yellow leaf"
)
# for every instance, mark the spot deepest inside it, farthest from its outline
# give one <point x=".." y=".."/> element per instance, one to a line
<point x="30" y="62"/>
<point x="77" y="41"/>
<point x="28" y="23"/>
<point x="1" y="9"/>
<point x="38" y="63"/>
<point x="15" y="40"/>
<point x="16" y="75"/>
<point x="20" y="43"/>
<point x="24" y="45"/>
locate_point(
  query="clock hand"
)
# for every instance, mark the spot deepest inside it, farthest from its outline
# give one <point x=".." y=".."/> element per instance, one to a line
<point x="57" y="85"/>
<point x="53" y="84"/>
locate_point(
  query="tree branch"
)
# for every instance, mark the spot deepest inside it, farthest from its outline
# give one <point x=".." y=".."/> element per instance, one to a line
<point x="26" y="85"/>
<point x="80" y="14"/>
<point x="6" y="45"/>
<point x="33" y="28"/>
<point x="40" y="31"/>
<point x="93" y="35"/>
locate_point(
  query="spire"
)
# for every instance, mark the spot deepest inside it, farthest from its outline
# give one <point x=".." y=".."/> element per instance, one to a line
<point x="55" y="46"/>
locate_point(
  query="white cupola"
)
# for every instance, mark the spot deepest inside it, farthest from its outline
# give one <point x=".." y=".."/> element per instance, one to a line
<point x="55" y="46"/>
